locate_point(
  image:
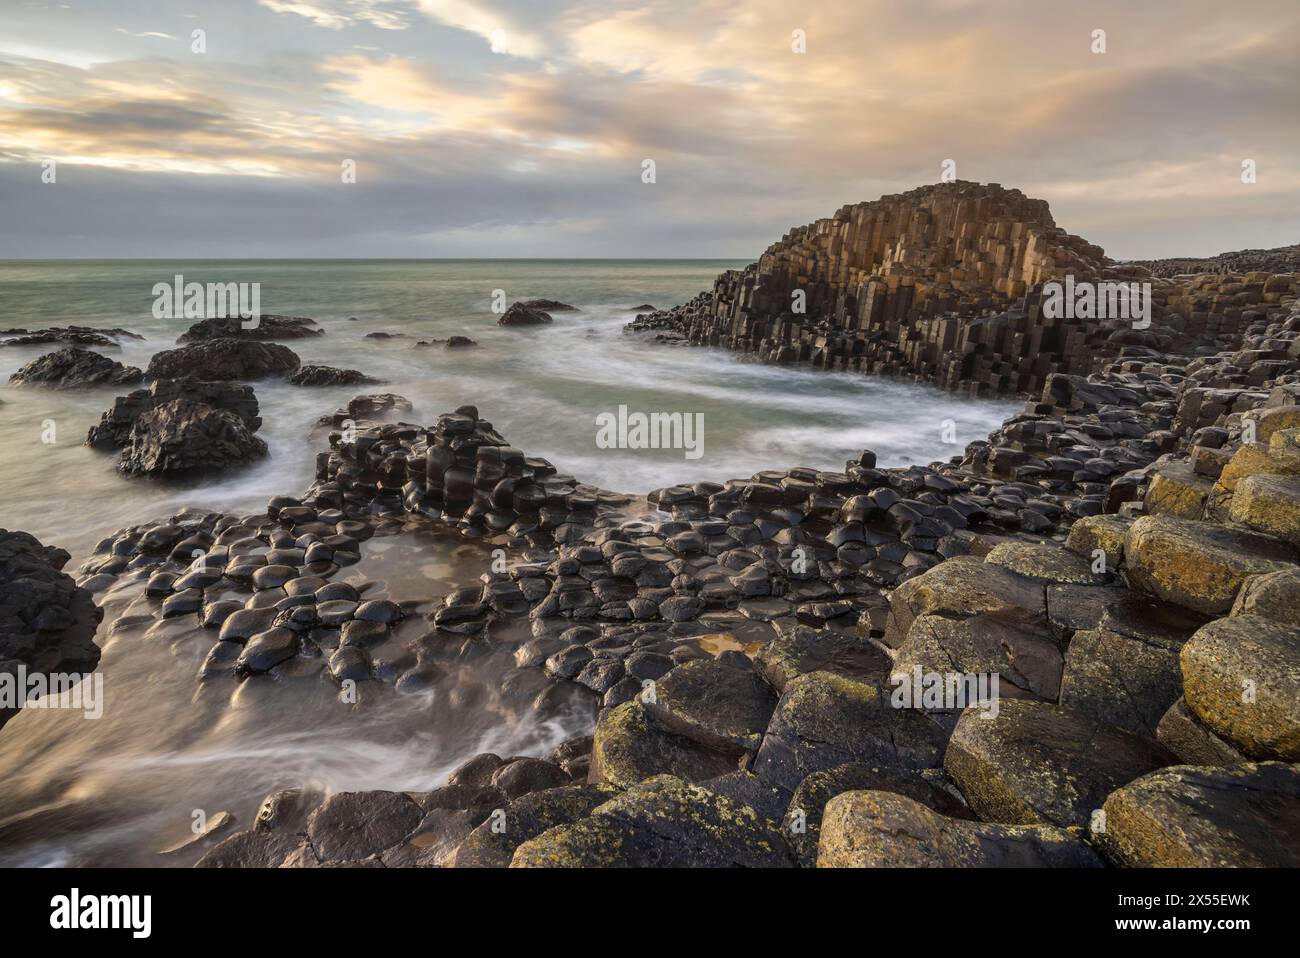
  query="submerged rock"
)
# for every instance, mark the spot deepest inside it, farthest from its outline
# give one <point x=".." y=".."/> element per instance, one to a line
<point x="520" y="314"/>
<point x="310" y="375"/>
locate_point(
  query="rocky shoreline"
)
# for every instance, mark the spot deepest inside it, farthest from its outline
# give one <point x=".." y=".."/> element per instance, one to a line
<point x="1123" y="558"/>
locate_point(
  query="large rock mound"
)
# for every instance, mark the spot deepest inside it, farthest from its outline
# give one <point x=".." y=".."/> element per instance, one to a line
<point x="182" y="437"/>
<point x="47" y="622"/>
<point x="223" y="359"/>
<point x="75" y="368"/>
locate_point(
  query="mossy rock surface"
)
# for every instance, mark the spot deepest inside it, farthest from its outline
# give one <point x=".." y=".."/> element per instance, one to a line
<point x="804" y="817"/>
<point x="960" y="586"/>
<point x="1247" y="816"/>
<point x="1018" y="647"/>
<point x="1105" y="533"/>
<point x="1037" y="763"/>
<point x="492" y="844"/>
<point x="1182" y="733"/>
<point x="1199" y="565"/>
<point x="1120" y="679"/>
<point x="663" y="822"/>
<point x="799" y="649"/>
<point x="1178" y="490"/>
<point x="1045" y="563"/>
<point x="1269" y="504"/>
<point x="874" y="829"/>
<point x="1241" y="678"/>
<point x="824" y="720"/>
<point x="1275" y="595"/>
<point x="635" y="741"/>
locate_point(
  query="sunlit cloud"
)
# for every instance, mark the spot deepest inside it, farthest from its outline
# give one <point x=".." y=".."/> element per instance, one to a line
<point x="505" y="116"/>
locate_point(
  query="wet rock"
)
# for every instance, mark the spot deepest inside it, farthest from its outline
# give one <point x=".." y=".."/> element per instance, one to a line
<point x="268" y="326"/>
<point x="1187" y="817"/>
<point x="721" y="700"/>
<point x="312" y="375"/>
<point x="1037" y="763"/>
<point x="876" y="829"/>
<point x="218" y="360"/>
<point x="823" y="720"/>
<point x="75" y="368"/>
<point x="47" y="622"/>
<point x="114" y="428"/>
<point x="351" y="826"/>
<point x="476" y="771"/>
<point x="634" y="741"/>
<point x="493" y="843"/>
<point x="265" y="650"/>
<point x="183" y="438"/>
<point x="526" y="775"/>
<point x="520" y="314"/>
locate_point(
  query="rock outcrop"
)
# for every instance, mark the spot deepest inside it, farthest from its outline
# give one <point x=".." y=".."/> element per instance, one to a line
<point x="268" y="327"/>
<point x="47" y="622"/>
<point x="183" y="438"/>
<point x="217" y="360"/>
<point x="114" y="428"/>
<point x="75" y="368"/>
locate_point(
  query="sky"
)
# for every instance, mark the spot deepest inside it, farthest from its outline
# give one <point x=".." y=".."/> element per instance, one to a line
<point x="499" y="128"/>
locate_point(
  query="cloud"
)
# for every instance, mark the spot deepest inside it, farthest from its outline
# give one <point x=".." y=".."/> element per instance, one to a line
<point x="539" y="150"/>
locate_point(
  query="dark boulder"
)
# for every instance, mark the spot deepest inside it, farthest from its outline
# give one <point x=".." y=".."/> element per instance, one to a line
<point x="47" y="623"/>
<point x="223" y="359"/>
<point x="268" y="327"/>
<point x="114" y="429"/>
<point x="75" y="368"/>
<point x="182" y="437"/>
<point x="329" y="376"/>
<point x="521" y="315"/>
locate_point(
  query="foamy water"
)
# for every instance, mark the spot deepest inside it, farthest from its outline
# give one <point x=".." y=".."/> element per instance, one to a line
<point x="117" y="790"/>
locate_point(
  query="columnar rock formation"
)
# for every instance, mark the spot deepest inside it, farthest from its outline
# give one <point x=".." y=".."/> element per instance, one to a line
<point x="945" y="283"/>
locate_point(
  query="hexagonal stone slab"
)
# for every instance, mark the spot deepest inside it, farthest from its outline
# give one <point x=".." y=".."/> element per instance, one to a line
<point x="823" y="720"/>
<point x="663" y="822"/>
<point x="1241" y="677"/>
<point x="888" y="830"/>
<point x="1188" y="817"/>
<point x="721" y="699"/>
<point x="1037" y="763"/>
<point x="1198" y="564"/>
